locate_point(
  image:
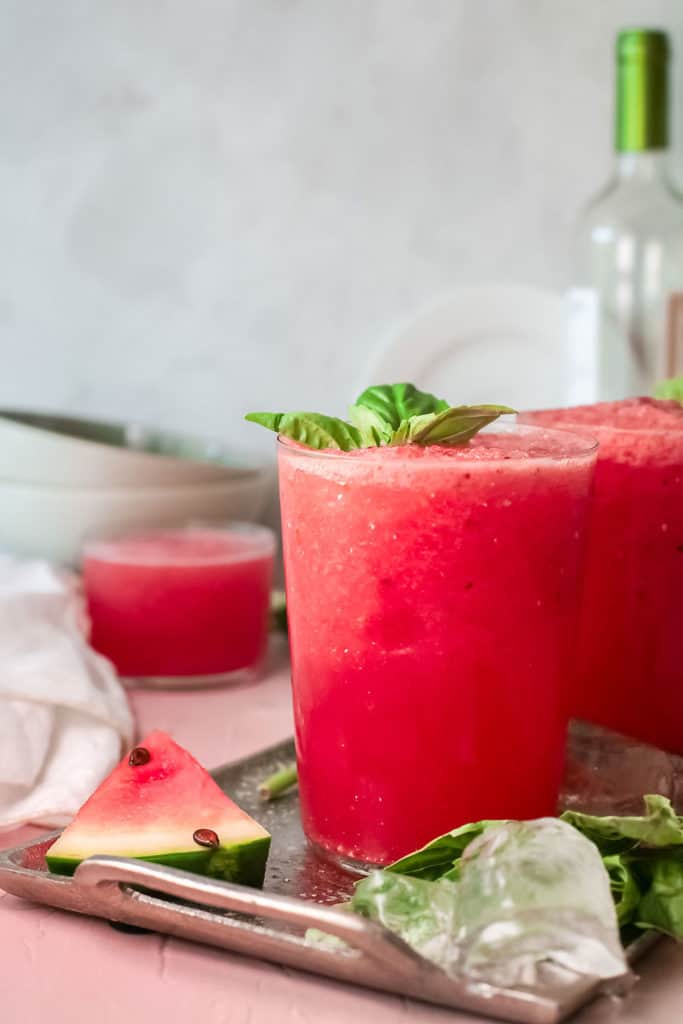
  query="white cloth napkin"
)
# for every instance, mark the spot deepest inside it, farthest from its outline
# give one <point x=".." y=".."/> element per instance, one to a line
<point x="63" y="713"/>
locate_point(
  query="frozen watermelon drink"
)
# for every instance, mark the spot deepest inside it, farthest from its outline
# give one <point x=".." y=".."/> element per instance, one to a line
<point x="432" y="600"/>
<point x="432" y="592"/>
<point x="630" y="670"/>
<point x="180" y="607"/>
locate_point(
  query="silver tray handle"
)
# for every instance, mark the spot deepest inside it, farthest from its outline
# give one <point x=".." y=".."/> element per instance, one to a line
<point x="111" y="878"/>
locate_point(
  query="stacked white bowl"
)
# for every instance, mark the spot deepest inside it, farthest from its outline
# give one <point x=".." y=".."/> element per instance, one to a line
<point x="63" y="479"/>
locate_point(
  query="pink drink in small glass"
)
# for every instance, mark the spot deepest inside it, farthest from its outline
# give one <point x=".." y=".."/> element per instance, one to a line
<point x="630" y="671"/>
<point x="432" y="598"/>
<point x="188" y="603"/>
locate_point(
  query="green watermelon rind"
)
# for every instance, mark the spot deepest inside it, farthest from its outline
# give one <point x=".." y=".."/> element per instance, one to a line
<point x="242" y="863"/>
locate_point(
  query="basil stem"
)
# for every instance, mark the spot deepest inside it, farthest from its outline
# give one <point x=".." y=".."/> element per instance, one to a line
<point x="278" y="783"/>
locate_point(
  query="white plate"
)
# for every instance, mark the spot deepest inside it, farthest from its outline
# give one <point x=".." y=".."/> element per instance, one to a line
<point x="481" y="344"/>
<point x="45" y="448"/>
<point x="53" y="522"/>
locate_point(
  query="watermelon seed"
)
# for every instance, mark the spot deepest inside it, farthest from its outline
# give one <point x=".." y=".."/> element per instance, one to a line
<point x="138" y="756"/>
<point x="206" y="837"/>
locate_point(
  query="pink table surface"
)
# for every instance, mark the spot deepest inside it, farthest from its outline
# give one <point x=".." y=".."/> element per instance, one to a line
<point x="67" y="969"/>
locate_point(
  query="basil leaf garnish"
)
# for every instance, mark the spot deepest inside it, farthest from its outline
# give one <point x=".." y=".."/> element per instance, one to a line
<point x="387" y="414"/>
<point x="310" y="428"/>
<point x="372" y="428"/>
<point x="394" y="403"/>
<point x="458" y="424"/>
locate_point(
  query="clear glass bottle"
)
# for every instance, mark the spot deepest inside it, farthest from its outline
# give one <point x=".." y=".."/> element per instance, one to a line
<point x="625" y="311"/>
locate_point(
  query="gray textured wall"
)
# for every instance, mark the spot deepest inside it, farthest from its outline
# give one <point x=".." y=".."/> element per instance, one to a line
<point x="210" y="206"/>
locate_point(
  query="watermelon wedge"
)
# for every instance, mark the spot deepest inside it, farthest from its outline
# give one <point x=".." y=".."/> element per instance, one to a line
<point x="159" y="804"/>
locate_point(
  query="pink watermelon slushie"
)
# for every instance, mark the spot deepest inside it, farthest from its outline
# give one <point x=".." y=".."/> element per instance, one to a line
<point x="630" y="672"/>
<point x="186" y="604"/>
<point x="432" y="599"/>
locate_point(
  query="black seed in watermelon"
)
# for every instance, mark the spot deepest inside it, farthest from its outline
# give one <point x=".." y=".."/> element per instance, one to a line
<point x="153" y="809"/>
<point x="138" y="756"/>
<point x="206" y="837"/>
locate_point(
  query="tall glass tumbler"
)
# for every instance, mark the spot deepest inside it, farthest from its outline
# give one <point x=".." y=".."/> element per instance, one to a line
<point x="432" y="601"/>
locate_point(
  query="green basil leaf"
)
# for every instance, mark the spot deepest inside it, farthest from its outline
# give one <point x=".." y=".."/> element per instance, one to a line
<point x="372" y="428"/>
<point x="672" y="388"/>
<point x="394" y="403"/>
<point x="393" y="414"/>
<point x="662" y="905"/>
<point x="310" y="428"/>
<point x="659" y="826"/>
<point x="438" y="858"/>
<point x="402" y="435"/>
<point x="459" y="424"/>
<point x="409" y="428"/>
<point x="625" y="889"/>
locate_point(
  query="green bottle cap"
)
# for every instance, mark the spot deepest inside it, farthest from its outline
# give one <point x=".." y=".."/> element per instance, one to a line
<point x="642" y="115"/>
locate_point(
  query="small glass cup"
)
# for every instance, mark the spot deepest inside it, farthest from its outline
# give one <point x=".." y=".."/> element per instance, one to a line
<point x="181" y="607"/>
<point x="432" y="603"/>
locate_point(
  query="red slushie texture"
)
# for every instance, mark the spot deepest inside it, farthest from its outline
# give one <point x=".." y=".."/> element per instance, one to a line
<point x="180" y="603"/>
<point x="630" y="670"/>
<point x="432" y="601"/>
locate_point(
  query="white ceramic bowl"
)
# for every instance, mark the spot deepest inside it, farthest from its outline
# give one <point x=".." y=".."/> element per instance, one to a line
<point x="53" y="522"/>
<point x="39" y="448"/>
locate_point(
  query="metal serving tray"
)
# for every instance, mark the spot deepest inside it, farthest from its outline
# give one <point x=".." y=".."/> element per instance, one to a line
<point x="299" y="892"/>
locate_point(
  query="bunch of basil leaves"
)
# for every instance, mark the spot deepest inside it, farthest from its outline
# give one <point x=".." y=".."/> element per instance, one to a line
<point x="386" y="414"/>
<point x="643" y="857"/>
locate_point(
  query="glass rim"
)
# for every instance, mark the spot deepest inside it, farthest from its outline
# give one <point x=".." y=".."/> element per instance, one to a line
<point x="572" y="427"/>
<point x="584" y="447"/>
<point x="100" y="545"/>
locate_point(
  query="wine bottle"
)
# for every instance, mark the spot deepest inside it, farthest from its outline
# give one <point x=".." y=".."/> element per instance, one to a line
<point x="625" y="310"/>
